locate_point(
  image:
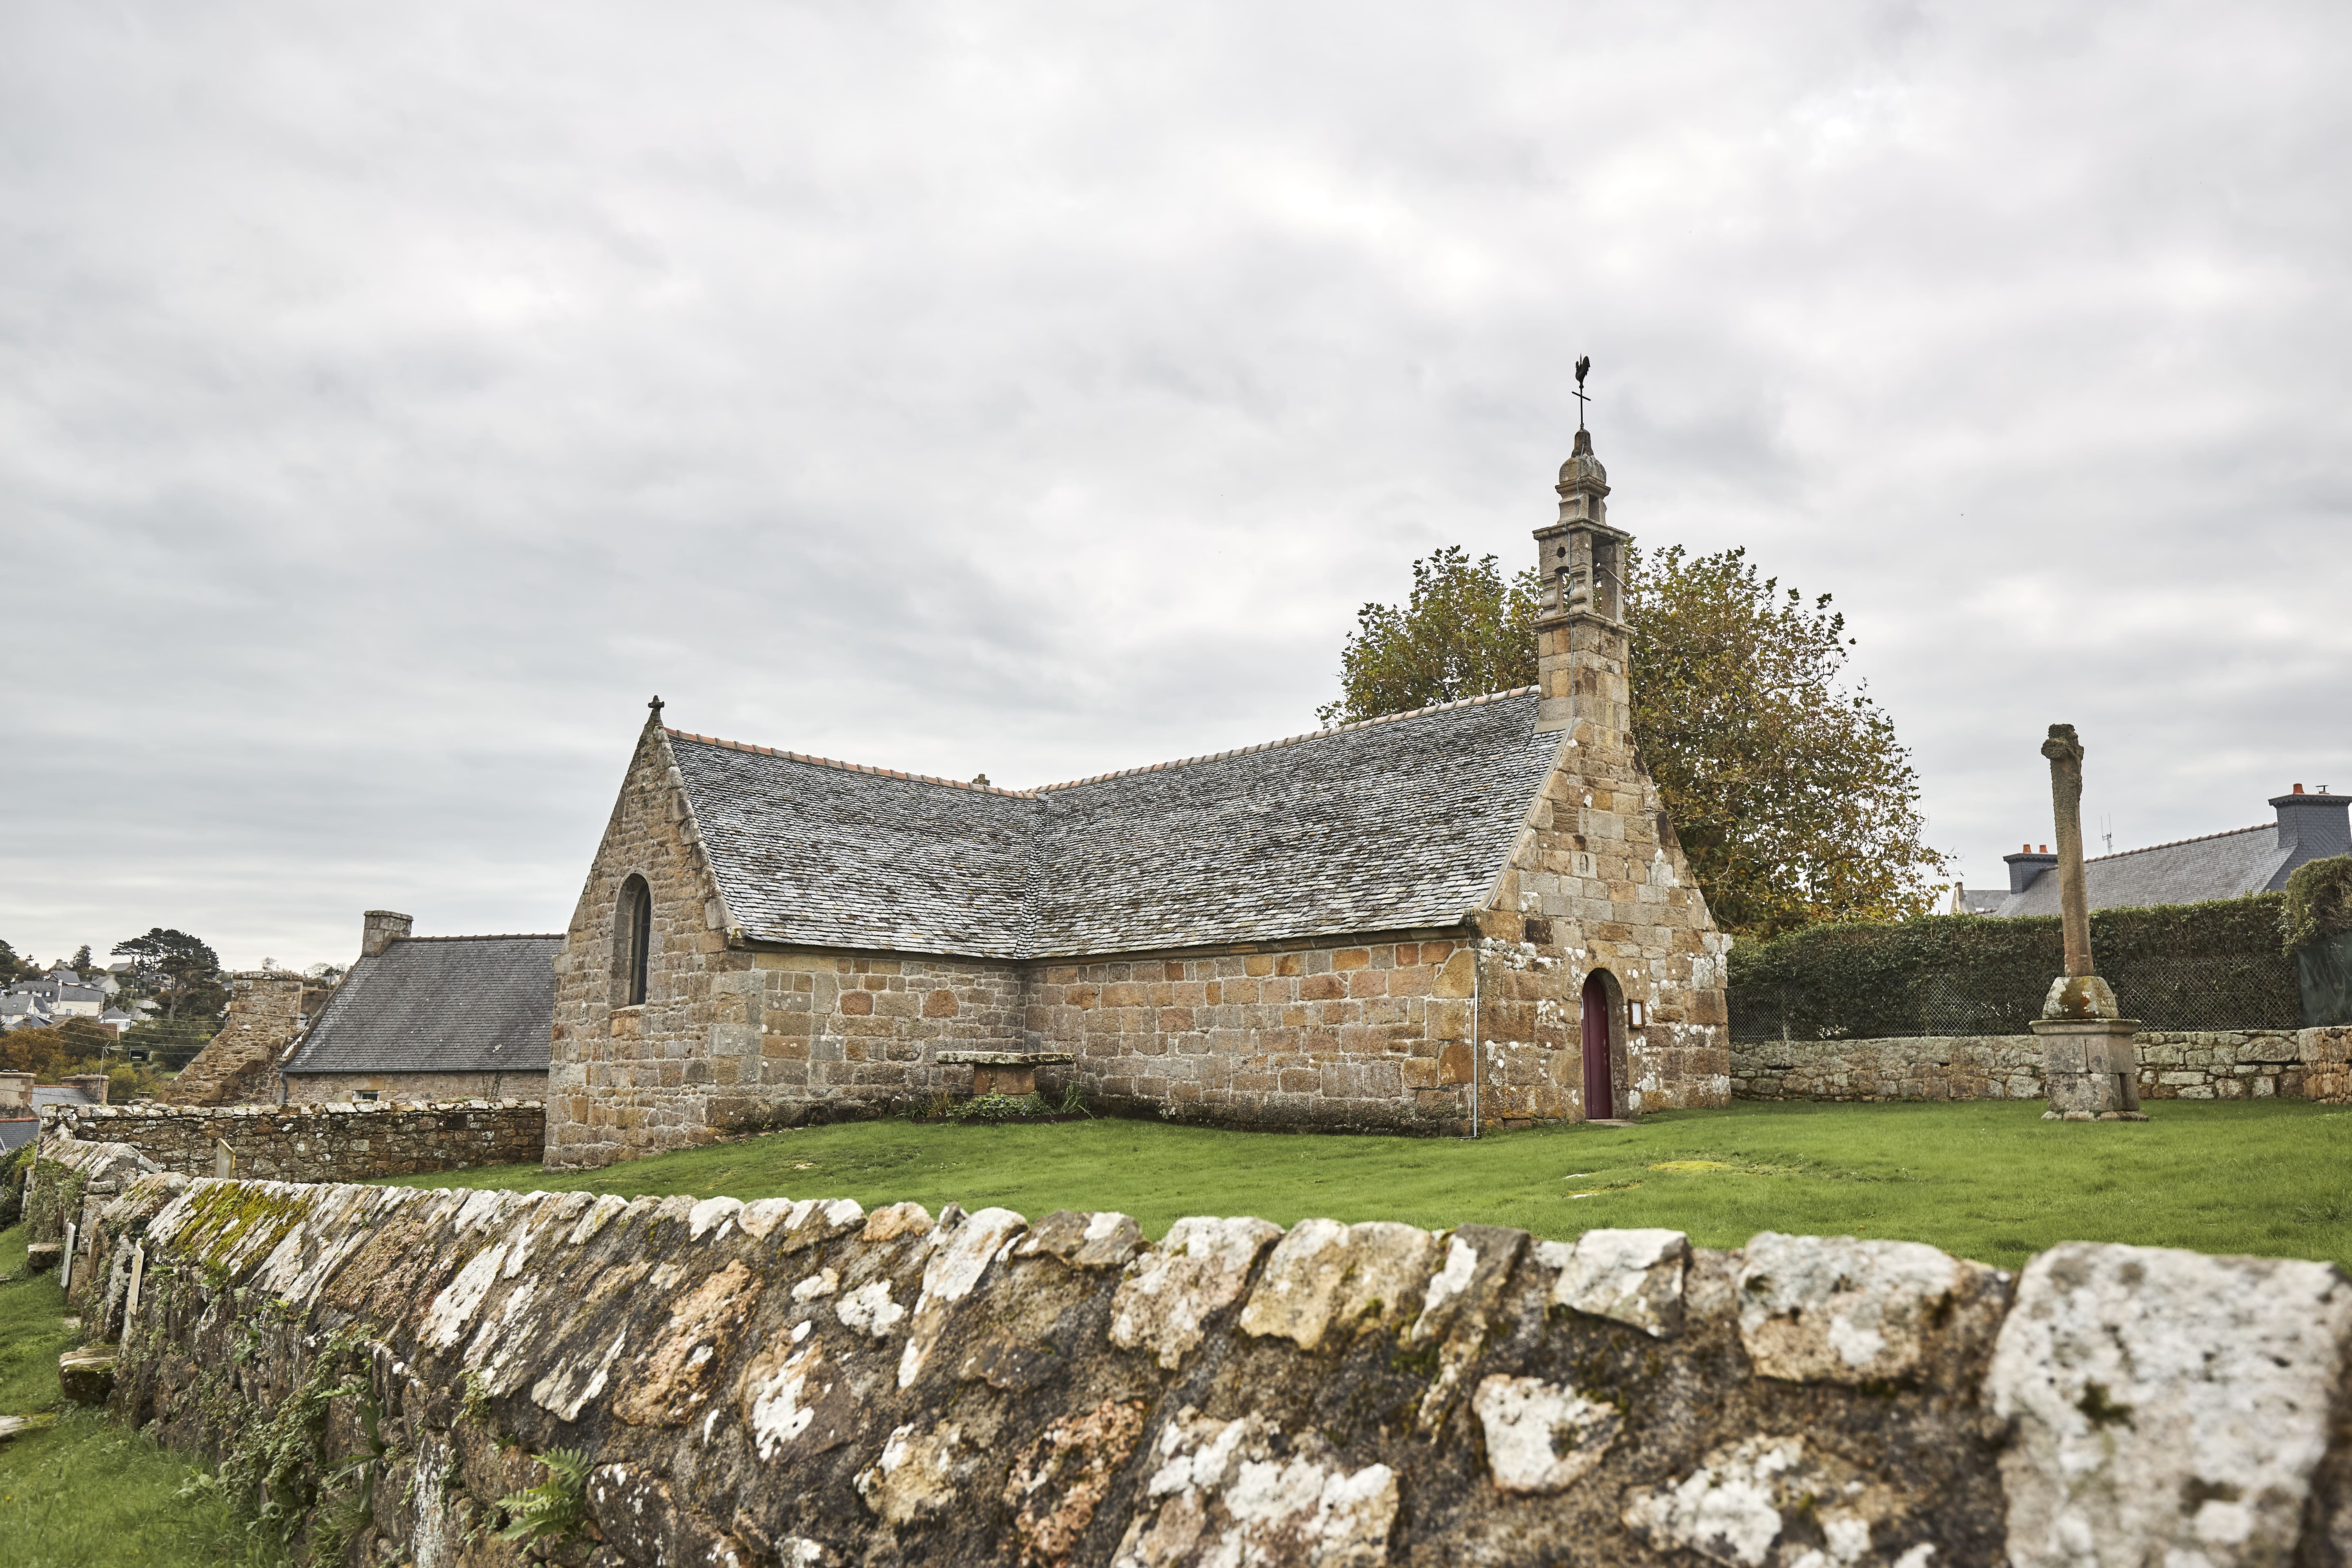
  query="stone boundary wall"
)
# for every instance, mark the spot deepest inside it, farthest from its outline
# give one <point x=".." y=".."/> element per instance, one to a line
<point x="313" y="1143"/>
<point x="413" y="1088"/>
<point x="2253" y="1064"/>
<point x="805" y="1382"/>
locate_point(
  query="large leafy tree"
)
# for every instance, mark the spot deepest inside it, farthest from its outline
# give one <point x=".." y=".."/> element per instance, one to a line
<point x="1793" y="799"/>
<point x="71" y="1045"/>
<point x="12" y="967"/>
<point x="178" y="970"/>
<point x="33" y="1048"/>
<point x="1464" y="631"/>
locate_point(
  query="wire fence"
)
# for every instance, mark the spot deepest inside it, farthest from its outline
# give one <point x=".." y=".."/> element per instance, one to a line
<point x="2214" y="967"/>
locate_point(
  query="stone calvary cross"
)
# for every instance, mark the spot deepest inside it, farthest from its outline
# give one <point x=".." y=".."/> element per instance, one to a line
<point x="2091" y="1064"/>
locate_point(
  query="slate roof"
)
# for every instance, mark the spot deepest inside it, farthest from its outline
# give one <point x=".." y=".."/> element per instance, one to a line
<point x="18" y="1130"/>
<point x="438" y="1004"/>
<point x="2218" y="866"/>
<point x="1389" y="825"/>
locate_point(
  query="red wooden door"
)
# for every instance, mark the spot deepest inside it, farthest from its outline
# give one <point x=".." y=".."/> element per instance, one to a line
<point x="1599" y="1104"/>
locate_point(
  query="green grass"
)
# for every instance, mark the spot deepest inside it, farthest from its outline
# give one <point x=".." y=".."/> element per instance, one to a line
<point x="33" y="1332"/>
<point x="85" y="1491"/>
<point x="1989" y="1180"/>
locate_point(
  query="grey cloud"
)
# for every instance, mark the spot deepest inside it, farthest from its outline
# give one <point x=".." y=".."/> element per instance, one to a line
<point x="391" y="400"/>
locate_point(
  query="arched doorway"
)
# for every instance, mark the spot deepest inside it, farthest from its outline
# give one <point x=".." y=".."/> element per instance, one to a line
<point x="1600" y="1103"/>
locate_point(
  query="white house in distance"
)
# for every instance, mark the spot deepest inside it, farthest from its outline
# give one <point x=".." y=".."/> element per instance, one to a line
<point x="66" y="992"/>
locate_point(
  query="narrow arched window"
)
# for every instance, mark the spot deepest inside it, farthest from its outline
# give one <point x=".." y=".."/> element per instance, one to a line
<point x="633" y="938"/>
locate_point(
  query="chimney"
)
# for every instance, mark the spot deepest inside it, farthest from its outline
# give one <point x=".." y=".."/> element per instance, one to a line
<point x="2310" y="827"/>
<point x="2026" y="865"/>
<point x="379" y="929"/>
<point x="92" y="1084"/>
<point x="16" y="1092"/>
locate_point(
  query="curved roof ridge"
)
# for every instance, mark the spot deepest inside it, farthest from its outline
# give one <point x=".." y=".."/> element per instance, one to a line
<point x="1480" y="700"/>
<point x="2175" y="843"/>
<point x="848" y="767"/>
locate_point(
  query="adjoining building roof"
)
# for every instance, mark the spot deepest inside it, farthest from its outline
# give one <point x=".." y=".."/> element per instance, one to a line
<point x="449" y="1003"/>
<point x="18" y="1130"/>
<point x="1388" y="825"/>
<point x="2219" y="866"/>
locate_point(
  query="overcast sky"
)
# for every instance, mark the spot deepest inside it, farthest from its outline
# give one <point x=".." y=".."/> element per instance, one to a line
<point x="393" y="397"/>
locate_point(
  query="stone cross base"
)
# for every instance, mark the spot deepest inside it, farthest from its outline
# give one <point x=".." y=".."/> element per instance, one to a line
<point x="2091" y="1069"/>
<point x="1004" y="1072"/>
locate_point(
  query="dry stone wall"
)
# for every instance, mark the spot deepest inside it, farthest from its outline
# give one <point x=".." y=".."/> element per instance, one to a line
<point x="344" y="1087"/>
<point x="2253" y="1064"/>
<point x="311" y="1143"/>
<point x="805" y="1382"/>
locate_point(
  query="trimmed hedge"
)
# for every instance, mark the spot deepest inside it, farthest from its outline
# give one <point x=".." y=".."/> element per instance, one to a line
<point x="2177" y="967"/>
<point x="2318" y="902"/>
<point x="2316" y="927"/>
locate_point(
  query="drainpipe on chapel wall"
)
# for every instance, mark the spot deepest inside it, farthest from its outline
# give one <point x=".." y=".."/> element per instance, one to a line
<point x="1478" y="1032"/>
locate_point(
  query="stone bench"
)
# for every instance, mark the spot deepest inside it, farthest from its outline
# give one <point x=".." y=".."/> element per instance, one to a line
<point x="1004" y="1072"/>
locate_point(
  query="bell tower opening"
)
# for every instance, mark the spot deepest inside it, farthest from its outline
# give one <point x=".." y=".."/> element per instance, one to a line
<point x="1581" y="632"/>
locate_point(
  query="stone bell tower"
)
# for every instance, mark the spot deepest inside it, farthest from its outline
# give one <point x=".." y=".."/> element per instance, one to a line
<point x="1580" y="651"/>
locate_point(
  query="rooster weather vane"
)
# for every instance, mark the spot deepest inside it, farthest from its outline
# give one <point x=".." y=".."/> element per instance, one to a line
<point x="1583" y="367"/>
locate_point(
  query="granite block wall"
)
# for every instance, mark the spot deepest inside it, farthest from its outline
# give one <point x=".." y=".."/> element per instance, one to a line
<point x="805" y="1382"/>
<point x="1358" y="1036"/>
<point x="607" y="1056"/>
<point x="312" y="1142"/>
<point x="1599" y="883"/>
<point x="2253" y="1064"/>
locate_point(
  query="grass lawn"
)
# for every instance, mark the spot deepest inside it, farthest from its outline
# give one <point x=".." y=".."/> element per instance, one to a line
<point x="85" y="1491"/>
<point x="1989" y="1180"/>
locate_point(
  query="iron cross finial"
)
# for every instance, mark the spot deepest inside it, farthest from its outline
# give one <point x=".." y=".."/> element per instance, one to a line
<point x="1583" y="368"/>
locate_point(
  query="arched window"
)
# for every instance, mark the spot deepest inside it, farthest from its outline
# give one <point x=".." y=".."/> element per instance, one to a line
<point x="633" y="932"/>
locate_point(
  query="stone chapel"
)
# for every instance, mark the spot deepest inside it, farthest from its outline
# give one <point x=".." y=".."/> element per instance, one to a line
<point x="1472" y="915"/>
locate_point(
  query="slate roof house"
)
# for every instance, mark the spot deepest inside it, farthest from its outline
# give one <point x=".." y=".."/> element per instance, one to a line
<point x="1471" y="914"/>
<point x="53" y="997"/>
<point x="432" y="1017"/>
<point x="2231" y="865"/>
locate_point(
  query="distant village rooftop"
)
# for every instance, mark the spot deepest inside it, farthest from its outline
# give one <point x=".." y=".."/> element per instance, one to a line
<point x="2233" y="863"/>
